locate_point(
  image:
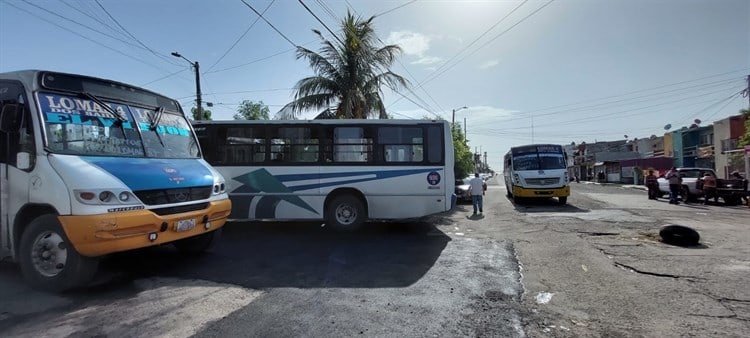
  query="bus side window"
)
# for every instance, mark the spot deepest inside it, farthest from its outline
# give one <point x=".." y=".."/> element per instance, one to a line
<point x="19" y="136"/>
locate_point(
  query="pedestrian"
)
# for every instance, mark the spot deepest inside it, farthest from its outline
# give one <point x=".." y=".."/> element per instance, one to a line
<point x="652" y="185"/>
<point x="675" y="185"/>
<point x="709" y="188"/>
<point x="476" y="189"/>
<point x="745" y="195"/>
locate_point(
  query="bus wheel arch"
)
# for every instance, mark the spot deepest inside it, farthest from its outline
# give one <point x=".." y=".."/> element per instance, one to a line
<point x="348" y="200"/>
<point x="47" y="258"/>
<point x="23" y="219"/>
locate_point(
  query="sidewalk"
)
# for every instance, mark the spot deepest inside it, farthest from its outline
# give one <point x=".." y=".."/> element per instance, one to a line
<point x="631" y="186"/>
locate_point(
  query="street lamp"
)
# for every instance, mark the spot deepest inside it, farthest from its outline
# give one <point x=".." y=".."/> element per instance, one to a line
<point x="453" y="120"/>
<point x="195" y="65"/>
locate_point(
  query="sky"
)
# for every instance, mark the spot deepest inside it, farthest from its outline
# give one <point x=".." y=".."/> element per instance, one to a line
<point x="556" y="71"/>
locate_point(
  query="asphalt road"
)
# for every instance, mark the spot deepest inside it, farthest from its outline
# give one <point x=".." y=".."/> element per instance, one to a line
<point x="592" y="268"/>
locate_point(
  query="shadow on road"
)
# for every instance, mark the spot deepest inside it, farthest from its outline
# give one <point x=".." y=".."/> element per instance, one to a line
<point x="301" y="255"/>
<point x="543" y="205"/>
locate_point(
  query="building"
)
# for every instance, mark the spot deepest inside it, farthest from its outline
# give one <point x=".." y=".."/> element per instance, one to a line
<point x="728" y="156"/>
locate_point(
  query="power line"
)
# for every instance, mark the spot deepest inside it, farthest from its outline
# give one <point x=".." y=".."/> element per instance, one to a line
<point x="328" y="10"/>
<point x="83" y="36"/>
<point x="321" y="22"/>
<point x="93" y="16"/>
<point x="475" y="41"/>
<point x="488" y="42"/>
<point x="393" y="9"/>
<point x="270" y="24"/>
<point x="243" y="92"/>
<point x="165" y="77"/>
<point x="612" y="104"/>
<point x="163" y="57"/>
<point x="239" y="38"/>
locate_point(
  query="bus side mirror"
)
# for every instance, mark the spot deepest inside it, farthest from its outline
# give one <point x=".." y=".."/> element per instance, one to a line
<point x="23" y="161"/>
<point x="10" y="119"/>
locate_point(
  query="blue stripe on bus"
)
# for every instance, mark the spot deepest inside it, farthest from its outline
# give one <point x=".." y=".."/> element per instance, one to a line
<point x="378" y="174"/>
<point x="150" y="174"/>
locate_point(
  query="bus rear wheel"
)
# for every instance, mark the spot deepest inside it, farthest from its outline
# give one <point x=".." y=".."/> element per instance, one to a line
<point x="49" y="261"/>
<point x="345" y="212"/>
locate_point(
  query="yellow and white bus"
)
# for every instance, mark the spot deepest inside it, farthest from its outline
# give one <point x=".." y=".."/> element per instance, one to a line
<point x="90" y="167"/>
<point x="340" y="171"/>
<point x="536" y="171"/>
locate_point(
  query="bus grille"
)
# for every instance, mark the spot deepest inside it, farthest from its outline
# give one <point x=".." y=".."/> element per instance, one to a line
<point x="543" y="181"/>
<point x="179" y="209"/>
<point x="168" y="196"/>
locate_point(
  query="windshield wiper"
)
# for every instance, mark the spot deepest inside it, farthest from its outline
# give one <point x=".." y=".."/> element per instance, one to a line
<point x="118" y="119"/>
<point x="155" y="123"/>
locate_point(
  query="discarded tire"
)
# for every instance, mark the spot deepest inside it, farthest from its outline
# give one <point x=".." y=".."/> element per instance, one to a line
<point x="679" y="235"/>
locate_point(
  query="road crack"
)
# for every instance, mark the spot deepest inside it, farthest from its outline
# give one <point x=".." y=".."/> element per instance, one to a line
<point x="655" y="273"/>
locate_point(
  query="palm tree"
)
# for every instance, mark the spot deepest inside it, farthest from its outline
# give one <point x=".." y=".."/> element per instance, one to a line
<point x="348" y="75"/>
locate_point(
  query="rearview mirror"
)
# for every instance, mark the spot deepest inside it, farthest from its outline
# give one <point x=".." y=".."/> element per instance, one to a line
<point x="23" y="161"/>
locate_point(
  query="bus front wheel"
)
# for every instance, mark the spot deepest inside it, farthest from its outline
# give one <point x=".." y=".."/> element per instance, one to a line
<point x="563" y="200"/>
<point x="49" y="261"/>
<point x="345" y="212"/>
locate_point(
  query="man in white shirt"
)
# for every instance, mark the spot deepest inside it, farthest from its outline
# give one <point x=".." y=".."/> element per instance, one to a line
<point x="476" y="189"/>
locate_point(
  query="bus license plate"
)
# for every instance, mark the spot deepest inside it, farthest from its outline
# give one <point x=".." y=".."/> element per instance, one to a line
<point x="185" y="224"/>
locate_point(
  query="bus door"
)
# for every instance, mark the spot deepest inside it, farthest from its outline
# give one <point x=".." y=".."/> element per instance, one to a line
<point x="16" y="156"/>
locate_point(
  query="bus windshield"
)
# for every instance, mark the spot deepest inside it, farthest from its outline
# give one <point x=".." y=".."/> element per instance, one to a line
<point x="79" y="125"/>
<point x="543" y="157"/>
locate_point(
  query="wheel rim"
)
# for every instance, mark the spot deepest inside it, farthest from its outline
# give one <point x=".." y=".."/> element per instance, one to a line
<point x="346" y="214"/>
<point x="49" y="254"/>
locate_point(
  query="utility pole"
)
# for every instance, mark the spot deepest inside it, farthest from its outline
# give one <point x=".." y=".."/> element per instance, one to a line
<point x="465" y="135"/>
<point x="198" y="100"/>
<point x="453" y="119"/>
<point x="198" y="91"/>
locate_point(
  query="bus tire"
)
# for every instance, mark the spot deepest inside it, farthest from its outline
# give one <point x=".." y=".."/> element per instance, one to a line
<point x="507" y="191"/>
<point x="345" y="213"/>
<point x="198" y="244"/>
<point x="49" y="261"/>
<point x="563" y="200"/>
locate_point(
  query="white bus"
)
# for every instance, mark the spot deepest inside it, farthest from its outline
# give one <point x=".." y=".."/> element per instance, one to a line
<point x="340" y="171"/>
<point x="90" y="167"/>
<point x="536" y="170"/>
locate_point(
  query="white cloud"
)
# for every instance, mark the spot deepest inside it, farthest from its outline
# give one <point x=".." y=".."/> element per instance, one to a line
<point x="489" y="64"/>
<point x="410" y="42"/>
<point x="427" y="60"/>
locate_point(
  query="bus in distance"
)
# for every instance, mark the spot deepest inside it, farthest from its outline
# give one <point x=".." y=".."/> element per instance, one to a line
<point x="536" y="171"/>
<point x="340" y="171"/>
<point x="90" y="167"/>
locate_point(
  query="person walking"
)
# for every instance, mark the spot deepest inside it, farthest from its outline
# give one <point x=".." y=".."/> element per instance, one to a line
<point x="653" y="185"/>
<point x="709" y="188"/>
<point x="675" y="185"/>
<point x="476" y="189"/>
<point x="745" y="196"/>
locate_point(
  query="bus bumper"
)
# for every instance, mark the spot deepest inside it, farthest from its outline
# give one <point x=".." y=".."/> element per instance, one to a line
<point x="541" y="192"/>
<point x="96" y="235"/>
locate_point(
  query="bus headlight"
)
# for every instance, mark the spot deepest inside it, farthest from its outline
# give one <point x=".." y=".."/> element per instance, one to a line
<point x="104" y="197"/>
<point x="219" y="188"/>
<point x="516" y="179"/>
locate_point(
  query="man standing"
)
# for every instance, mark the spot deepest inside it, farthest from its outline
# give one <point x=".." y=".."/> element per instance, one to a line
<point x="709" y="188"/>
<point x="737" y="176"/>
<point x="476" y="189"/>
<point x="652" y="184"/>
<point x="675" y="185"/>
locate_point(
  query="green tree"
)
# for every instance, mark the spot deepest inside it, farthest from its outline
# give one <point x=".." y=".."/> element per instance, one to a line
<point x="249" y="110"/>
<point x="464" y="160"/>
<point x="206" y="113"/>
<point x="348" y="74"/>
<point x="745" y="139"/>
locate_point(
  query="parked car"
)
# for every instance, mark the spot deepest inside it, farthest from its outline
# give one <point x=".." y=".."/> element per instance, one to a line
<point x="692" y="186"/>
<point x="462" y="189"/>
